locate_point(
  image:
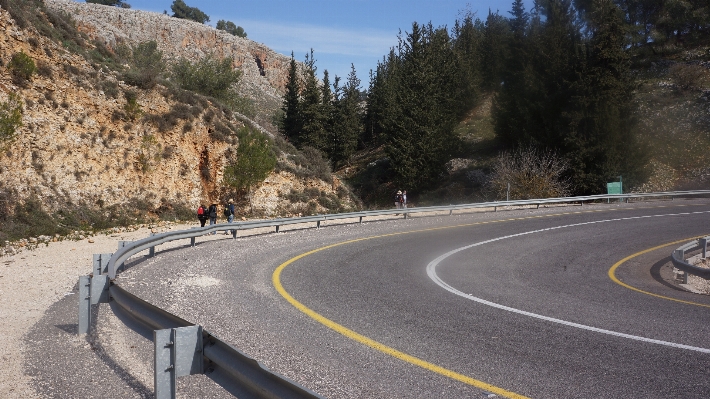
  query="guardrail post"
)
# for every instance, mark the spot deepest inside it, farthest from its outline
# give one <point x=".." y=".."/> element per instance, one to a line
<point x="122" y="244"/>
<point x="192" y="239"/>
<point x="99" y="289"/>
<point x="495" y="209"/>
<point x="234" y="234"/>
<point x="360" y="219"/>
<point x="84" y="304"/>
<point x="100" y="263"/>
<point x="704" y="246"/>
<point x="178" y="352"/>
<point x="318" y="224"/>
<point x="680" y="255"/>
<point x="277" y="228"/>
<point x="151" y="251"/>
<point x="405" y="214"/>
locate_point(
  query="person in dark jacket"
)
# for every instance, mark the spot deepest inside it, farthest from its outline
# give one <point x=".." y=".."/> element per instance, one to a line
<point x="212" y="212"/>
<point x="202" y="215"/>
<point x="229" y="212"/>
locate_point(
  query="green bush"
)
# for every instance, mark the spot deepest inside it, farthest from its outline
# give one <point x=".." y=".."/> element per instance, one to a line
<point x="208" y="76"/>
<point x="132" y="108"/>
<point x="254" y="161"/>
<point x="146" y="65"/>
<point x="22" y="66"/>
<point x="10" y="119"/>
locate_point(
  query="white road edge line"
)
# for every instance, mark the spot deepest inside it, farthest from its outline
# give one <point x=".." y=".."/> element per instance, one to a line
<point x="431" y="271"/>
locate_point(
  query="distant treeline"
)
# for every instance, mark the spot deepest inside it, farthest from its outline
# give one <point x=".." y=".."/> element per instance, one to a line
<point x="560" y="72"/>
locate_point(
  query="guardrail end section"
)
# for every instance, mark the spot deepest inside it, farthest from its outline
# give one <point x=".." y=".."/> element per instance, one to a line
<point x="99" y="289"/>
<point x="178" y="352"/>
<point x="100" y="263"/>
<point x="84" y="304"/>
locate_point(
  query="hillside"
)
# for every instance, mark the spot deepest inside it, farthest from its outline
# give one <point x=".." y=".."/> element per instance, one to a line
<point x="83" y="159"/>
<point x="264" y="71"/>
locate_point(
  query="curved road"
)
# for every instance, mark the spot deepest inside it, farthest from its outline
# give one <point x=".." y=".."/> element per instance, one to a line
<point x="512" y="304"/>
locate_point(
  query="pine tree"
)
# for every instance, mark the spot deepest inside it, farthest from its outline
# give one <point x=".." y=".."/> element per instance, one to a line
<point x="512" y="112"/>
<point x="347" y="122"/>
<point x="182" y="10"/>
<point x="467" y="43"/>
<point x="418" y="115"/>
<point x="314" y="122"/>
<point x="291" y="122"/>
<point x="602" y="142"/>
<point x="494" y="49"/>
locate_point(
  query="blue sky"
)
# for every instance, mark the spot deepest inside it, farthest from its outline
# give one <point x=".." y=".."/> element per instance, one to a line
<point x="340" y="32"/>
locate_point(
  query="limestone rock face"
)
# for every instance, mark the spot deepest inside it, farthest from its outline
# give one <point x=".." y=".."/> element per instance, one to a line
<point x="264" y="71"/>
<point x="77" y="146"/>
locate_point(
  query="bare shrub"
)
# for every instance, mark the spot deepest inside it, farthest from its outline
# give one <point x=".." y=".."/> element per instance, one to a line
<point x="531" y="174"/>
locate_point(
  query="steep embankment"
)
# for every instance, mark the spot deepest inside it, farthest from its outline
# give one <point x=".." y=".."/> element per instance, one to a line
<point x="264" y="72"/>
<point x="79" y="146"/>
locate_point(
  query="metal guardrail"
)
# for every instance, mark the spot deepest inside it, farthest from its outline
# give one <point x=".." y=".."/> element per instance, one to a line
<point x="182" y="348"/>
<point x="679" y="261"/>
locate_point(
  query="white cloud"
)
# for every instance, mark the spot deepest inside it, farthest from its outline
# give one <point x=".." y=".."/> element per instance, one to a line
<point x="299" y="38"/>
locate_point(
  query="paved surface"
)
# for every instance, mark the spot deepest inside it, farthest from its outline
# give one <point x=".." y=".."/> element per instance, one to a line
<point x="380" y="288"/>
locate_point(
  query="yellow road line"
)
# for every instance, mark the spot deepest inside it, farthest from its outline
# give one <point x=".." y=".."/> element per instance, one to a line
<point x="612" y="272"/>
<point x="377" y="345"/>
<point x="276" y="280"/>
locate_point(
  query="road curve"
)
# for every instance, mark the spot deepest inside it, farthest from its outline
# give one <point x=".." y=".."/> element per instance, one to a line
<point x="516" y="304"/>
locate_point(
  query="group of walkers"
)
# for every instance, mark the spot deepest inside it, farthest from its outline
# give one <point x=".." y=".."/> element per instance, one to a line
<point x="400" y="199"/>
<point x="210" y="213"/>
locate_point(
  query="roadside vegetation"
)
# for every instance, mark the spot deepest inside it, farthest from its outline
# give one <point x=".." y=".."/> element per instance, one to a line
<point x="592" y="82"/>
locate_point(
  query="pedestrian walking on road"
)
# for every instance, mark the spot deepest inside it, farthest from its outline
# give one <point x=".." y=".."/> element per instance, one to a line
<point x="229" y="213"/>
<point x="202" y="215"/>
<point x="212" y="212"/>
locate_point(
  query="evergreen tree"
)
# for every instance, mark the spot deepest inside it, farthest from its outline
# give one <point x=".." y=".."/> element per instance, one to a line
<point x="512" y="111"/>
<point x="114" y="3"/>
<point x="601" y="143"/>
<point x="314" y="122"/>
<point x="328" y="111"/>
<point x="182" y="10"/>
<point x="467" y="42"/>
<point x="494" y="49"/>
<point x="291" y="122"/>
<point x="418" y="117"/>
<point x="230" y="27"/>
<point x="254" y="161"/>
<point x="347" y="121"/>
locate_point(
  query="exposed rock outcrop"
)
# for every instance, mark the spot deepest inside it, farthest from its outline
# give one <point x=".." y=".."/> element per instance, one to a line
<point x="264" y="71"/>
<point x="78" y="147"/>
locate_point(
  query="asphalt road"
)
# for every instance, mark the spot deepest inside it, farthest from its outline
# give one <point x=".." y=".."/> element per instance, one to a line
<point x="532" y="314"/>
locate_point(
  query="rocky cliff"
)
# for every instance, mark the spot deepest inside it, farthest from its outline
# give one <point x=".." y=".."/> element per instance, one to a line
<point x="264" y="72"/>
<point x="78" y="146"/>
